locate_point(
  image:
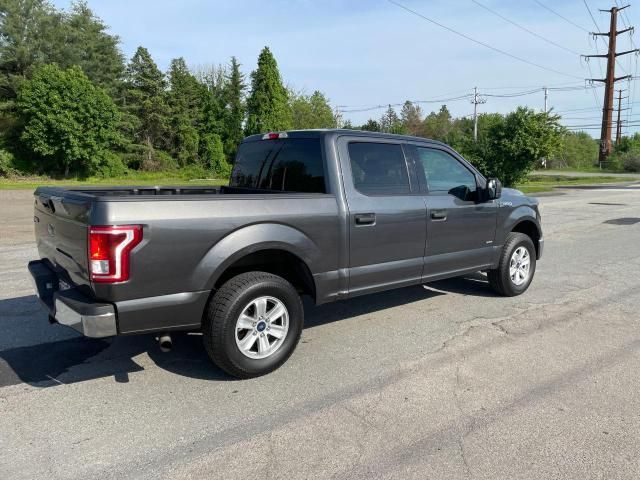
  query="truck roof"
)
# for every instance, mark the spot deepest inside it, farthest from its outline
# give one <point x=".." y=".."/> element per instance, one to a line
<point x="320" y="132"/>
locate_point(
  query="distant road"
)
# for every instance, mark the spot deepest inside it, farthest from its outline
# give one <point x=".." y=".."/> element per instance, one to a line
<point x="569" y="173"/>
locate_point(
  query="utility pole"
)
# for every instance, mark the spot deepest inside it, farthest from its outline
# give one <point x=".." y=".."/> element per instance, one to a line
<point x="476" y="100"/>
<point x="609" y="81"/>
<point x="546" y="96"/>
<point x="619" y="121"/>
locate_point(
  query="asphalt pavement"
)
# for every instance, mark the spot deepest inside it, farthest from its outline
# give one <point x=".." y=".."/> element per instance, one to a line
<point x="444" y="381"/>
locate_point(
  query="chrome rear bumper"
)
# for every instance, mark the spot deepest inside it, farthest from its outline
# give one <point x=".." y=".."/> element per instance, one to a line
<point x="70" y="307"/>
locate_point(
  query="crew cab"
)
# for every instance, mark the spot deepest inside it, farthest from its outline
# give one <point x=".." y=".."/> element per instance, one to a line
<point x="331" y="214"/>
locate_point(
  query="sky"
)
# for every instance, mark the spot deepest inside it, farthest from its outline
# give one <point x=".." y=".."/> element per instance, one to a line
<point x="362" y="54"/>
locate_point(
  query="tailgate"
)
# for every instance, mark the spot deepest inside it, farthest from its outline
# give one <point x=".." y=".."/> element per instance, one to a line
<point x="61" y="234"/>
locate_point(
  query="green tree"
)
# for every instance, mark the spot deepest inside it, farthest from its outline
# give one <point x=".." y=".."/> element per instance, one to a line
<point x="185" y="96"/>
<point x="509" y="146"/>
<point x="438" y="125"/>
<point x="29" y="37"/>
<point x="577" y="150"/>
<point x="312" y="111"/>
<point x="347" y="125"/>
<point x="411" y="118"/>
<point x="390" y="122"/>
<point x="145" y="101"/>
<point x="212" y="153"/>
<point x="267" y="105"/>
<point x="68" y="122"/>
<point x="89" y="45"/>
<point x="235" y="109"/>
<point x="371" y="126"/>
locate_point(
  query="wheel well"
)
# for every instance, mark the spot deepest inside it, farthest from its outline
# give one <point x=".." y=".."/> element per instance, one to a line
<point x="529" y="228"/>
<point x="278" y="262"/>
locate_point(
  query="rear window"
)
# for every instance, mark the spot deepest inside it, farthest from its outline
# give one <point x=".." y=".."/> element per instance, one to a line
<point x="287" y="165"/>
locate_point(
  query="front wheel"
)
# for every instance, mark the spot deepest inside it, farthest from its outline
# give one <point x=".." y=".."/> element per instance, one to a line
<point x="253" y="324"/>
<point x="516" y="266"/>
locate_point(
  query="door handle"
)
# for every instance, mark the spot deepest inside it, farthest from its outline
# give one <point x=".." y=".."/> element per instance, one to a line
<point x="365" y="219"/>
<point x="439" y="214"/>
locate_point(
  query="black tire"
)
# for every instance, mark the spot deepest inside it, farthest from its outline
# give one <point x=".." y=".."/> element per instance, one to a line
<point x="223" y="311"/>
<point x="500" y="279"/>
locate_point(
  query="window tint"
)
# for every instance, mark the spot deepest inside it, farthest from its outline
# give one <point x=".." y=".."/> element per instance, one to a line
<point x="378" y="168"/>
<point x="444" y="173"/>
<point x="290" y="165"/>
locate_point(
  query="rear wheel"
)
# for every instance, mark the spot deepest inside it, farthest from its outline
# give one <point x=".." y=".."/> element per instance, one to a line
<point x="516" y="267"/>
<point x="253" y="324"/>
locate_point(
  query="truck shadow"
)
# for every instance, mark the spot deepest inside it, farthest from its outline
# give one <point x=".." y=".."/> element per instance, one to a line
<point x="34" y="352"/>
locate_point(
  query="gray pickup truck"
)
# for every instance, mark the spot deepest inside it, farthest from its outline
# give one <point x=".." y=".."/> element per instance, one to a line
<point x="326" y="213"/>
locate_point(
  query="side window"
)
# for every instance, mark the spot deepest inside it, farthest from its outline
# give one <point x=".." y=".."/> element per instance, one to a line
<point x="444" y="173"/>
<point x="289" y="165"/>
<point x="378" y="168"/>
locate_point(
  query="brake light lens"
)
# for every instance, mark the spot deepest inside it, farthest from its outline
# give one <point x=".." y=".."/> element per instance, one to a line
<point x="274" y="135"/>
<point x="109" y="251"/>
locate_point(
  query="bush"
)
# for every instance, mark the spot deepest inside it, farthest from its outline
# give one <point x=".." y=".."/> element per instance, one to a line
<point x="6" y="164"/>
<point x="111" y="166"/>
<point x="212" y="154"/>
<point x="194" y="171"/>
<point x="631" y="161"/>
<point x="157" y="161"/>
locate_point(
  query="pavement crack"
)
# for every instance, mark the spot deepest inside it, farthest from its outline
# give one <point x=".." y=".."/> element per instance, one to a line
<point x="468" y="425"/>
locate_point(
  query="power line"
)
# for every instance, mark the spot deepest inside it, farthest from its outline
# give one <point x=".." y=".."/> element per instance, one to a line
<point x="367" y="108"/>
<point x="525" y="29"/>
<point x="591" y="15"/>
<point x="387" y="105"/>
<point x="486" y="45"/>
<point x="561" y="16"/>
<point x="552" y="85"/>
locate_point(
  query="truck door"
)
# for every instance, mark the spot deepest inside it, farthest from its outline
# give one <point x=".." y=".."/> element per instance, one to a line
<point x="387" y="217"/>
<point x="460" y="229"/>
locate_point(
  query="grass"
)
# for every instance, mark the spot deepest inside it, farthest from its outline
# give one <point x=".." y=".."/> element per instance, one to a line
<point x="535" y="183"/>
<point x="545" y="183"/>
<point x="137" y="178"/>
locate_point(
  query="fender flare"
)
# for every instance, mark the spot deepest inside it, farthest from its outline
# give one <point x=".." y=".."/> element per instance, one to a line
<point x="251" y="239"/>
<point x="521" y="214"/>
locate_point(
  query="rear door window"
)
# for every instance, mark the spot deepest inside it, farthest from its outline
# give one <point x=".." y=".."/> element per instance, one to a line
<point x="378" y="168"/>
<point x="286" y="165"/>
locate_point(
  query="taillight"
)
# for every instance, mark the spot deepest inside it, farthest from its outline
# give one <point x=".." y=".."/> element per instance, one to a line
<point x="109" y="249"/>
<point x="274" y="135"/>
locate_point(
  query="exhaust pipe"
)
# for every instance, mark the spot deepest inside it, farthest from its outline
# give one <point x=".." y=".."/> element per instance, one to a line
<point x="165" y="342"/>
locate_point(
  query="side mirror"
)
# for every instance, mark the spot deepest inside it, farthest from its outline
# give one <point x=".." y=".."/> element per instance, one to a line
<point x="494" y="189"/>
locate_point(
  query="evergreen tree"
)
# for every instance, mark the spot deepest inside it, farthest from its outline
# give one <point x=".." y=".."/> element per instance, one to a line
<point x="213" y="100"/>
<point x="390" y="122"/>
<point x="185" y="97"/>
<point x="235" y="109"/>
<point x="145" y="102"/>
<point x="90" y="46"/>
<point x="348" y="125"/>
<point x="68" y="122"/>
<point x="30" y="36"/>
<point x="267" y="106"/>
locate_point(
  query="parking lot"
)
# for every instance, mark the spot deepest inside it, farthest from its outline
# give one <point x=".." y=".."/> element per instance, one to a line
<point x="441" y="381"/>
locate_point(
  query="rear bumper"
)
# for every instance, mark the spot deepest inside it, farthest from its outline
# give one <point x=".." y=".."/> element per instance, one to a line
<point x="70" y="307"/>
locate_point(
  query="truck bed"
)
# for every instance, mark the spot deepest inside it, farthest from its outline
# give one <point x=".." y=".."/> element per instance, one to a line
<point x="110" y="192"/>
